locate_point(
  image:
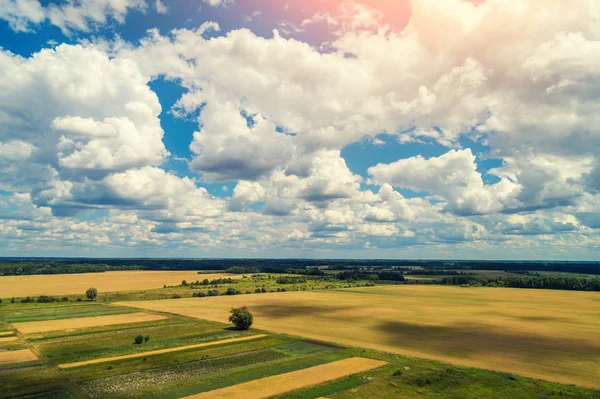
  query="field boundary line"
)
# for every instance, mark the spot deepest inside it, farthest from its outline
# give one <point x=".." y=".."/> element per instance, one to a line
<point x="159" y="351"/>
<point x="294" y="380"/>
<point x="6" y="333"/>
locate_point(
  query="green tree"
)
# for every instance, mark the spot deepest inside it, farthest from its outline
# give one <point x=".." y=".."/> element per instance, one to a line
<point x="241" y="317"/>
<point x="138" y="339"/>
<point x="146" y="338"/>
<point x="91" y="293"/>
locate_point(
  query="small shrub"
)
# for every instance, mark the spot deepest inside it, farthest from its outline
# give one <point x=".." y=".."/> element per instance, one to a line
<point x="79" y="299"/>
<point x="258" y="290"/>
<point x="27" y="300"/>
<point x="263" y="290"/>
<point x="109" y="368"/>
<point x="230" y="291"/>
<point x="201" y="294"/>
<point x="194" y="295"/>
<point x="138" y="339"/>
<point x="213" y="292"/>
<point x="184" y="283"/>
<point x="146" y="338"/>
<point x="12" y="300"/>
<point x="0" y="300"/>
<point x="397" y="373"/>
<point x="241" y="317"/>
<point x="65" y="299"/>
<point x="248" y="292"/>
<point x="176" y="296"/>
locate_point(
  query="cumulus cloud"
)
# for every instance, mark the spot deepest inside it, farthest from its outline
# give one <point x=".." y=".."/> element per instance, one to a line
<point x="453" y="176"/>
<point x="274" y="114"/>
<point x="73" y="15"/>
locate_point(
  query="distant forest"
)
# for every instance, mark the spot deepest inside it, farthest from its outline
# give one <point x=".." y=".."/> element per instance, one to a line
<point x="25" y="266"/>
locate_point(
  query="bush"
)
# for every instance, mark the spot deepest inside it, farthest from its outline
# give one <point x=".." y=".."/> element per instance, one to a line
<point x="213" y="292"/>
<point x="201" y="294"/>
<point x="27" y="300"/>
<point x="176" y="296"/>
<point x="138" y="339"/>
<point x="258" y="290"/>
<point x="91" y="293"/>
<point x="241" y="317"/>
<point x="184" y="283"/>
<point x="65" y="299"/>
<point x="146" y="338"/>
<point x="232" y="291"/>
<point x="12" y="300"/>
<point x="79" y="299"/>
<point x="46" y="299"/>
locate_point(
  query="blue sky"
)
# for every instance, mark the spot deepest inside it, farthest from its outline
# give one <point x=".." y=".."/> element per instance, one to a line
<point x="301" y="129"/>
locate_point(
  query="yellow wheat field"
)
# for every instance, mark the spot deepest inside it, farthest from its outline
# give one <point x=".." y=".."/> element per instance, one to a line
<point x="546" y="334"/>
<point x="160" y="351"/>
<point x="18" y="356"/>
<point x="57" y="284"/>
<point x="287" y="382"/>
<point x="31" y="327"/>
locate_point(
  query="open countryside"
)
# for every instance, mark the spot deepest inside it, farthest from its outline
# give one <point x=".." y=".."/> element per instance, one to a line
<point x="348" y="330"/>
<point x="59" y="284"/>
<point x="544" y="334"/>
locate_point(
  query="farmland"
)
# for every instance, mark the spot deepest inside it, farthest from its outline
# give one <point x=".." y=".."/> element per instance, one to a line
<point x="538" y="333"/>
<point x="59" y="284"/>
<point x="319" y="338"/>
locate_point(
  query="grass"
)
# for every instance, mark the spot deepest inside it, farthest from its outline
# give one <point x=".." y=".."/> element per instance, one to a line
<point x="538" y="333"/>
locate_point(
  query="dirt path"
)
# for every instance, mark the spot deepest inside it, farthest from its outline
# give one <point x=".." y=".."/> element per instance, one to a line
<point x="83" y="322"/>
<point x="287" y="382"/>
<point x="159" y="351"/>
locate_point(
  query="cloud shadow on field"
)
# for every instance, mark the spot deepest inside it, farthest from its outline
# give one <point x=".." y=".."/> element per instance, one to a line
<point x="471" y="339"/>
<point x="279" y="310"/>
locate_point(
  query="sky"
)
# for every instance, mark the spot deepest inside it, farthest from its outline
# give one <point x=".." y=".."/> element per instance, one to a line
<point x="315" y="129"/>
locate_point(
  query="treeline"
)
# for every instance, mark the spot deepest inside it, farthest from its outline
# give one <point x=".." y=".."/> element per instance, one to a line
<point x="436" y="272"/>
<point x="53" y="267"/>
<point x="372" y="276"/>
<point x="546" y="282"/>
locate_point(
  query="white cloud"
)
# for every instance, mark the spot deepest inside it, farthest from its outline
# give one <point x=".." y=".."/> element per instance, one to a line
<point x="72" y="15"/>
<point x="160" y="7"/>
<point x="453" y="176"/>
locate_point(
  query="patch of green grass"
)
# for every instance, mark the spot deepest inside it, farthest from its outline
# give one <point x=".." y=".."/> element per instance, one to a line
<point x="43" y="312"/>
<point x="116" y="343"/>
<point x="29" y="381"/>
<point x="102" y="370"/>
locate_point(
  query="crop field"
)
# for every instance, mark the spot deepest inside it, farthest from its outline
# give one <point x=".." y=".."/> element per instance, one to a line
<point x="71" y="350"/>
<point x="545" y="334"/>
<point x="60" y="284"/>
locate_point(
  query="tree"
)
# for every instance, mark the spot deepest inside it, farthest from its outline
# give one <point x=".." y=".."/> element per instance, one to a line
<point x="138" y="339"/>
<point x="146" y="338"/>
<point x="241" y="317"/>
<point x="91" y="293"/>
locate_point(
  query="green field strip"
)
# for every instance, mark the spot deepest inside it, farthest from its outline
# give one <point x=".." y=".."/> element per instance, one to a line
<point x="98" y="371"/>
<point x="121" y="343"/>
<point x="48" y="315"/>
<point x="160" y="351"/>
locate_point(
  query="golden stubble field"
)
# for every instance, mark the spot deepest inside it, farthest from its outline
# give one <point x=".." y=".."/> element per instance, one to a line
<point x="553" y="335"/>
<point x="57" y="284"/>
